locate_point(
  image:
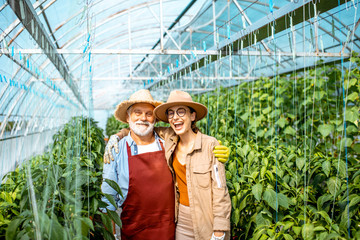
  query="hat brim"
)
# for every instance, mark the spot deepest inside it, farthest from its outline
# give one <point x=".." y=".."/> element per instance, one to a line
<point x="200" y="109"/>
<point x="120" y="112"/>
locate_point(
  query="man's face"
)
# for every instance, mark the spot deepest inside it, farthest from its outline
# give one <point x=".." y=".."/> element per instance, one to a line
<point x="141" y="118"/>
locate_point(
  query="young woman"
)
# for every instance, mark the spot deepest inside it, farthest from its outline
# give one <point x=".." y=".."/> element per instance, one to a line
<point x="203" y="200"/>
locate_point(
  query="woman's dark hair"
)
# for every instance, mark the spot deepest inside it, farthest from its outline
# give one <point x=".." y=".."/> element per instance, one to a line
<point x="193" y="123"/>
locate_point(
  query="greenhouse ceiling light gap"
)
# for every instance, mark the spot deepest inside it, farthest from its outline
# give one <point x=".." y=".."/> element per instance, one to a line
<point x="279" y="16"/>
<point x="38" y="33"/>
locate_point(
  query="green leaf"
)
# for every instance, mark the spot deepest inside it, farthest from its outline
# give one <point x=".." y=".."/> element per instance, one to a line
<point x="107" y="221"/>
<point x="325" y="129"/>
<point x="82" y="226"/>
<point x="319" y="95"/>
<point x="300" y="162"/>
<point x="11" y="230"/>
<point x="354" y="201"/>
<point x="237" y="187"/>
<point x="288" y="237"/>
<point x="257" y="191"/>
<point x="270" y="198"/>
<point x="325" y="216"/>
<point x="341" y="168"/>
<point x="335" y="227"/>
<point x="57" y="231"/>
<point x="353" y="96"/>
<point x="115" y="217"/>
<point x="345" y="142"/>
<point x="234" y="201"/>
<point x="87" y="222"/>
<point x="323" y="199"/>
<point x="260" y="234"/>
<point x="319" y="228"/>
<point x="282" y="122"/>
<point x="245" y="150"/>
<point x="266" y="110"/>
<point x="356" y="147"/>
<point x="108" y="235"/>
<point x="351" y="115"/>
<point x="260" y="220"/>
<point x="351" y="129"/>
<point x="288" y="225"/>
<point x="114" y="185"/>
<point x="279" y="101"/>
<point x="326" y="167"/>
<point x="308" y="231"/>
<point x="283" y="200"/>
<point x="111" y="200"/>
<point x="263" y="96"/>
<point x="245" y="116"/>
<point x="297" y="230"/>
<point x="333" y="185"/>
<point x="290" y="131"/>
<point x="236" y="216"/>
<point x="352" y="82"/>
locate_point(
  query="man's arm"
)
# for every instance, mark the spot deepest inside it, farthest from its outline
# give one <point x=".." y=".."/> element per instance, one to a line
<point x="110" y="172"/>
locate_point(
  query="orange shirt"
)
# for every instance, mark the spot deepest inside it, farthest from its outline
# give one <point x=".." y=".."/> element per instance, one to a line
<point x="180" y="172"/>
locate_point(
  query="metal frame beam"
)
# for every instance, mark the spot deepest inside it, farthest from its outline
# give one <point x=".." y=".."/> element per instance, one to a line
<point x="174" y="52"/>
<point x="27" y="15"/>
<point x="162" y="78"/>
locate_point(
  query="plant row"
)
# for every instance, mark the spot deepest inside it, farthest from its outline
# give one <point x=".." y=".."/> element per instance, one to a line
<point x="294" y="168"/>
<point x="57" y="195"/>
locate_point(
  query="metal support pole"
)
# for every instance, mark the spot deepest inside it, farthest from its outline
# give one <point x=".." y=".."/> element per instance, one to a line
<point x="161" y="27"/>
<point x="130" y="47"/>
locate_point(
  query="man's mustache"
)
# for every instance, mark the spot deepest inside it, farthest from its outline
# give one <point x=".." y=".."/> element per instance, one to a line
<point x="143" y="123"/>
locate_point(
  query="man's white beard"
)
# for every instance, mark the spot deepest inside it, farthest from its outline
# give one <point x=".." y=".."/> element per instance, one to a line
<point x="140" y="130"/>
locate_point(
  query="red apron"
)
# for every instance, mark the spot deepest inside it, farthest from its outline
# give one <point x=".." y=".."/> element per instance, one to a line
<point x="149" y="209"/>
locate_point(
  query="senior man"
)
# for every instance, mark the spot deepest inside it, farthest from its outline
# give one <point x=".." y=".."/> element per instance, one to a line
<point x="142" y="173"/>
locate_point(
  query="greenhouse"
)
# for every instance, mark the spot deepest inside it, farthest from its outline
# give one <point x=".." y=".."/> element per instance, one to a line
<point x="280" y="80"/>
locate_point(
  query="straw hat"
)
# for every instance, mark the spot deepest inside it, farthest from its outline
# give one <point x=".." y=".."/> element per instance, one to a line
<point x="141" y="96"/>
<point x="177" y="98"/>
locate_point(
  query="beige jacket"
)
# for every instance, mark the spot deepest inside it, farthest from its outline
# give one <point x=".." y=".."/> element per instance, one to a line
<point x="209" y="198"/>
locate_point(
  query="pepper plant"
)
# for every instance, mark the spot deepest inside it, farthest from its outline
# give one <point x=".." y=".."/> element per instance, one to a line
<point x="294" y="171"/>
<point x="57" y="195"/>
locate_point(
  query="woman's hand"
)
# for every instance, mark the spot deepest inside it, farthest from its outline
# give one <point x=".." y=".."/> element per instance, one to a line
<point x="218" y="235"/>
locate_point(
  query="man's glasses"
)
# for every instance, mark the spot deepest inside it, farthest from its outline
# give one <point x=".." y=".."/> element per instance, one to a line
<point x="180" y="112"/>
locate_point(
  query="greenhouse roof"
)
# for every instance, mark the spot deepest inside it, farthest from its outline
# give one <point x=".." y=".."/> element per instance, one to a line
<point x="63" y="58"/>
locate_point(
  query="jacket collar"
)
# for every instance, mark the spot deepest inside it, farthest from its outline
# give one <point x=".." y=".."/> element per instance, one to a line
<point x="198" y="139"/>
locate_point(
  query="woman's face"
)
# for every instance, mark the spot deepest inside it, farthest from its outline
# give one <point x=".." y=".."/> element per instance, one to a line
<point x="180" y="119"/>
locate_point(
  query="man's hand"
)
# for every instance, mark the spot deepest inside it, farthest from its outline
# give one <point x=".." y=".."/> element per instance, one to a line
<point x="113" y="143"/>
<point x="222" y="153"/>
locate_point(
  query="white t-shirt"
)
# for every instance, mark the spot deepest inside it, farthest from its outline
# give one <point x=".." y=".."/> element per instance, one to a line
<point x="152" y="147"/>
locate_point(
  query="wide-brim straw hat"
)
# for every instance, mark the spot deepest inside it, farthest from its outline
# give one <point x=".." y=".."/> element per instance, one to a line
<point x="141" y="96"/>
<point x="177" y="98"/>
